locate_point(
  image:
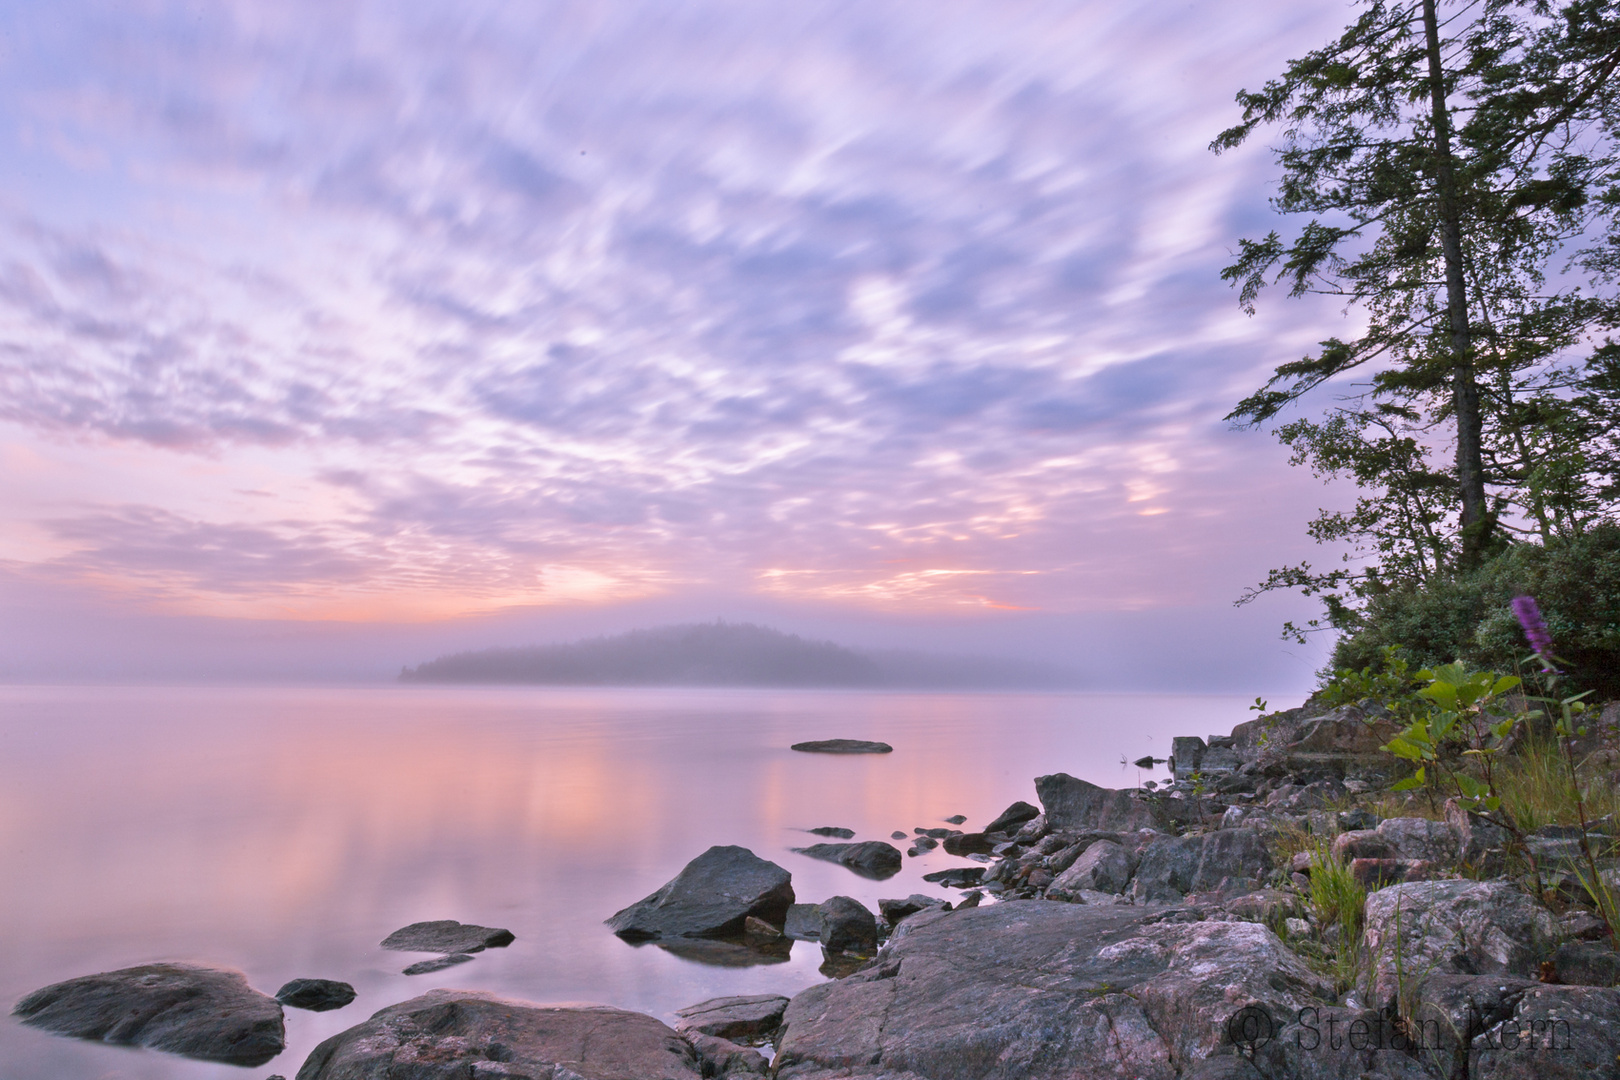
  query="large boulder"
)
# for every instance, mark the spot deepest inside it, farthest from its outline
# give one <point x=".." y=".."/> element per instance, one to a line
<point x="1074" y="805"/>
<point x="871" y="858"/>
<point x="199" y="1012"/>
<point x="714" y="896"/>
<point x="1032" y="989"/>
<point x="1476" y="1027"/>
<point x="1422" y="928"/>
<point x="467" y="1035"/>
<point x="1230" y="860"/>
<point x="1309" y="746"/>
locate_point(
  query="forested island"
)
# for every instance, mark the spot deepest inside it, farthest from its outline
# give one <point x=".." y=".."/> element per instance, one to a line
<point x="729" y="654"/>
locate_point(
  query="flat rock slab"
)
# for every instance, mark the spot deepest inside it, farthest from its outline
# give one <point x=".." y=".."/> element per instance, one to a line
<point x="438" y="963"/>
<point x="871" y="858"/>
<point x="712" y="897"/>
<point x="1031" y="988"/>
<point x="834" y="830"/>
<point x="447" y="936"/>
<point x="199" y="1012"/>
<point x="740" y="1019"/>
<point x="316" y="995"/>
<point x="457" y="1034"/>
<point x="843" y="746"/>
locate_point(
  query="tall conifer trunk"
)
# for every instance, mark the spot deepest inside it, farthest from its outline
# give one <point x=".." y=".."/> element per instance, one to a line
<point x="1464" y="389"/>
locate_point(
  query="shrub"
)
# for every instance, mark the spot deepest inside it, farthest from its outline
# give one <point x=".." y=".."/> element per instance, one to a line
<point x="1469" y="617"/>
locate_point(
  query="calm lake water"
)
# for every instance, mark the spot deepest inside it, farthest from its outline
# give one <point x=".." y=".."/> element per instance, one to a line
<point x="285" y="832"/>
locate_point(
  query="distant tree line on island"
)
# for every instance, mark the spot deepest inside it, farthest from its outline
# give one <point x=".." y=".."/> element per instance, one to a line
<point x="728" y="654"/>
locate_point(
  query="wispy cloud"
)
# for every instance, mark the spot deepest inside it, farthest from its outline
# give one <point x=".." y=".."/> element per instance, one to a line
<point x="884" y="304"/>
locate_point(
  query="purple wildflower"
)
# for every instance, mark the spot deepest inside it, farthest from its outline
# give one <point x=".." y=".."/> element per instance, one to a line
<point x="1535" y="628"/>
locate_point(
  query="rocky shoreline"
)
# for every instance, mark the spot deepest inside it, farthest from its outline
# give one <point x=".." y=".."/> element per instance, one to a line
<point x="1165" y="932"/>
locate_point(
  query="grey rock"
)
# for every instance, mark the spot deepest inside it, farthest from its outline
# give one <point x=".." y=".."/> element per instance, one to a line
<point x="447" y="936"/>
<point x="1186" y="754"/>
<point x="834" y="830"/>
<point x="1012" y="817"/>
<point x="722" y="1057"/>
<point x="748" y="1019"/>
<point x="1551" y="1033"/>
<point x="870" y="859"/>
<point x="456" y="1034"/>
<point x="187" y="1009"/>
<point x="1032" y="989"/>
<point x="956" y="819"/>
<point x="438" y="963"/>
<point x="1225" y="1067"/>
<point x="713" y="896"/>
<point x="1104" y="867"/>
<point x="316" y="995"/>
<point x="956" y="877"/>
<point x="1357" y="818"/>
<point x="1074" y="804"/>
<point x="1363" y="844"/>
<point x="747" y="951"/>
<point x="843" y="746"/>
<point x="803" y="922"/>
<point x="898" y="835"/>
<point x="969" y="844"/>
<point x="1480" y="843"/>
<point x="895" y="910"/>
<point x="928" y="843"/>
<point x="1420" y="839"/>
<point x="1423" y="928"/>
<point x="1587" y="963"/>
<point x="1230" y="860"/>
<point x="847" y="926"/>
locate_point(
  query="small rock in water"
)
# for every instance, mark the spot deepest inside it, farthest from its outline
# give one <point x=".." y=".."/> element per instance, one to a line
<point x="198" y="1012"/>
<point x="872" y="859"/>
<point x="834" y="830"/>
<point x="843" y="746"/>
<point x="957" y="819"/>
<point x="926" y="843"/>
<point x="447" y="936"/>
<point x="898" y="835"/>
<point x="712" y="897"/>
<point x="1012" y="817"/>
<point x="438" y="963"/>
<point x="895" y="910"/>
<point x="957" y="877"/>
<point x="316" y="995"/>
<point x="847" y="926"/>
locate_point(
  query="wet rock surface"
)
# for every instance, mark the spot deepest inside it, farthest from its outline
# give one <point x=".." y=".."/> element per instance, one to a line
<point x="447" y="936"/>
<point x="466" y="1035"/>
<point x="316" y="995"/>
<point x="843" y="746"/>
<point x="438" y="963"/>
<point x="199" y="1012"/>
<point x="713" y="896"/>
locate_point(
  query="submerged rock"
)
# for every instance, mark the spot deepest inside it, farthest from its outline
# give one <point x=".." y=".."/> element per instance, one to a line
<point x="438" y="963"/>
<point x="870" y="859"/>
<point x="833" y="830"/>
<point x="446" y="1034"/>
<point x="198" y="1012"/>
<point x="316" y="995"/>
<point x="713" y="896"/>
<point x="447" y="936"/>
<point x="843" y="746"/>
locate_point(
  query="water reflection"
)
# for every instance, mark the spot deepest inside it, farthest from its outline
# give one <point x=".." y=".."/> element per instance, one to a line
<point x="284" y="832"/>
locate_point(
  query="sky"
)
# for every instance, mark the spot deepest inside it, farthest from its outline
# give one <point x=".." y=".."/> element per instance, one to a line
<point x="335" y="336"/>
